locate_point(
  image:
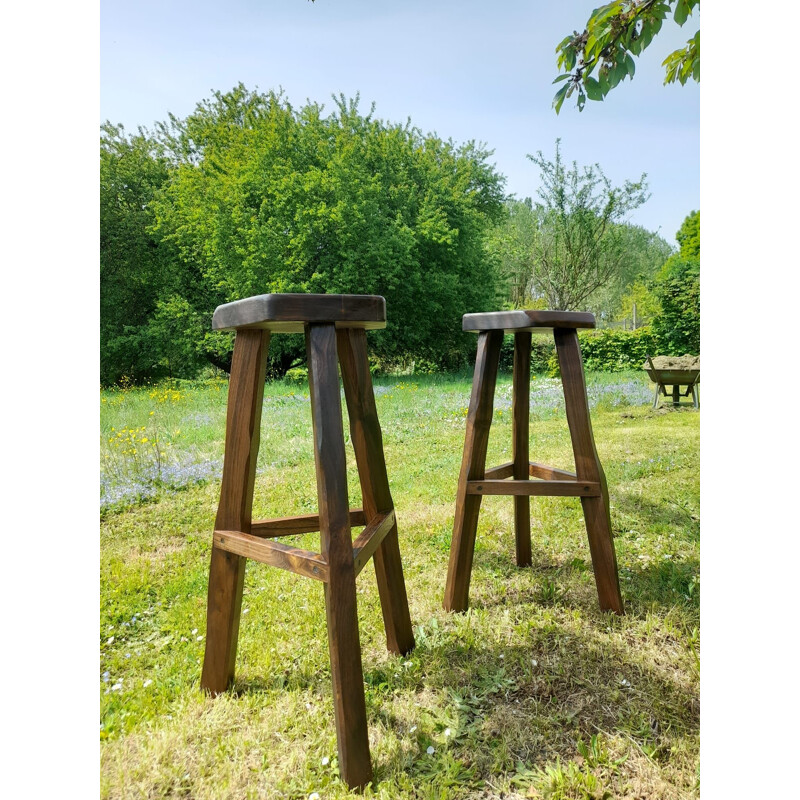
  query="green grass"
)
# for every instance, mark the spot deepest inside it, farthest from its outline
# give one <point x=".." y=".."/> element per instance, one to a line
<point x="532" y="693"/>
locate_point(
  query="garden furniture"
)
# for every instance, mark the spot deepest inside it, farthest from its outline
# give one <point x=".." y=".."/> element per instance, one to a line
<point x="335" y="330"/>
<point x="529" y="478"/>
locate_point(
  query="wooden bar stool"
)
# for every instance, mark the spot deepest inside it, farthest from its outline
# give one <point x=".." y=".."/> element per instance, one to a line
<point x="587" y="482"/>
<point x="334" y="326"/>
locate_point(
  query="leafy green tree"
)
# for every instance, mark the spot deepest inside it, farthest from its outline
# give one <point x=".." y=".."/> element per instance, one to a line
<point x="639" y="305"/>
<point x="580" y="243"/>
<point x="678" y="289"/>
<point x="267" y="198"/>
<point x="511" y="245"/>
<point x="614" y="33"/>
<point x="644" y="253"/>
<point x="135" y="268"/>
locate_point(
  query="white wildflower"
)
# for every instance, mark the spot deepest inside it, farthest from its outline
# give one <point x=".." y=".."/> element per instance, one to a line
<point x="431" y="750"/>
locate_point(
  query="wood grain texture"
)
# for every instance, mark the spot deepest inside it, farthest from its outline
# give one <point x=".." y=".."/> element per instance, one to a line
<point x="535" y="488"/>
<point x="473" y="465"/>
<point x="550" y="473"/>
<point x="365" y="433"/>
<point x="532" y="320"/>
<point x="288" y="313"/>
<point x="498" y="473"/>
<point x="226" y="574"/>
<point x="588" y="468"/>
<point x="520" y="437"/>
<point x="350" y="712"/>
<point x="370" y="539"/>
<point x="276" y="554"/>
<point x="292" y="526"/>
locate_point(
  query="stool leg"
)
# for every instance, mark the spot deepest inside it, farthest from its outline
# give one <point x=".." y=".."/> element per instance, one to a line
<point x="365" y="432"/>
<point x="473" y="466"/>
<point x="226" y="576"/>
<point x="340" y="592"/>
<point x="588" y="468"/>
<point x="521" y="438"/>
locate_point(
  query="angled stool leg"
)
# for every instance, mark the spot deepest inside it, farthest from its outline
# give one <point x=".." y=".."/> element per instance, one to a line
<point x="588" y="468"/>
<point x="521" y="437"/>
<point x="340" y="592"/>
<point x="365" y="432"/>
<point x="226" y="578"/>
<point x="473" y="466"/>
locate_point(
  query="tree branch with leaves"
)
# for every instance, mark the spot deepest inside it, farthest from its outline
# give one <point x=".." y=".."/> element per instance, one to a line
<point x="599" y="59"/>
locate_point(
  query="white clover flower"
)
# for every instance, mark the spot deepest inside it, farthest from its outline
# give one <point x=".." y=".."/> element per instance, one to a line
<point x="313" y="796"/>
<point x="147" y="683"/>
<point x="412" y="729"/>
<point x="447" y="732"/>
<point x="431" y="750"/>
<point x="325" y="761"/>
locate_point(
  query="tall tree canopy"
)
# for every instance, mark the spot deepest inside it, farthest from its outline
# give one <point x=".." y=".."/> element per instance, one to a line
<point x="677" y="287"/>
<point x="579" y="241"/>
<point x="262" y="197"/>
<point x="614" y="33"/>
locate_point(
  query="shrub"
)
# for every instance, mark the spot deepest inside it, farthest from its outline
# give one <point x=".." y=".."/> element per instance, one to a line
<point x="543" y="349"/>
<point x="614" y="350"/>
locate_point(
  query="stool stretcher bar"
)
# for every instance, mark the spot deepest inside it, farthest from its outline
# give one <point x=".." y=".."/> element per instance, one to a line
<point x="539" y="488"/>
<point x="370" y="539"/>
<point x="291" y="526"/>
<point x="303" y="562"/>
<point x="534" y="470"/>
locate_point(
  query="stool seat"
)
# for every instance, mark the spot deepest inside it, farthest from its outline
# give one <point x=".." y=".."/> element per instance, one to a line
<point x="519" y="320"/>
<point x="289" y="313"/>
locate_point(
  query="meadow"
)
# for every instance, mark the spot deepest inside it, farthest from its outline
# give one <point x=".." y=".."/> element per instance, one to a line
<point x="532" y="693"/>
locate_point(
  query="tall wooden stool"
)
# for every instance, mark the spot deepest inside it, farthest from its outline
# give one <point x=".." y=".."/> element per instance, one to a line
<point x="334" y="325"/>
<point x="587" y="482"/>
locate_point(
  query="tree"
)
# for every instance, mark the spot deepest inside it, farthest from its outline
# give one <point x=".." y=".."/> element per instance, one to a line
<point x="644" y="253"/>
<point x="135" y="269"/>
<point x="579" y="246"/>
<point x="511" y="245"/>
<point x="614" y="33"/>
<point x="267" y="198"/>
<point x="678" y="289"/>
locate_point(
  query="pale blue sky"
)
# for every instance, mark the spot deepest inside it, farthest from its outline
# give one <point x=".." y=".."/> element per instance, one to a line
<point x="466" y="69"/>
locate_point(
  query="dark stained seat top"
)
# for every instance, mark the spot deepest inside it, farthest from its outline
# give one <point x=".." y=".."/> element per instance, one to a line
<point x="520" y="320"/>
<point x="288" y="313"/>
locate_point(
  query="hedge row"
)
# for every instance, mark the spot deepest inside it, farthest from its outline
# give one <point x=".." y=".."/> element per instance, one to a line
<point x="605" y="350"/>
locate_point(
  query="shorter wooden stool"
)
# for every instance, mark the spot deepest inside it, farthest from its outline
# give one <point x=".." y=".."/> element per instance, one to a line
<point x="334" y="327"/>
<point x="587" y="482"/>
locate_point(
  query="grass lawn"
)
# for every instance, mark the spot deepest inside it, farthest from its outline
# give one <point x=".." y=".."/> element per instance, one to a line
<point x="532" y="693"/>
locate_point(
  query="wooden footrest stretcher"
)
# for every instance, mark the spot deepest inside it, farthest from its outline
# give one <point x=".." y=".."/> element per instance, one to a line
<point x="550" y="482"/>
<point x="254" y="545"/>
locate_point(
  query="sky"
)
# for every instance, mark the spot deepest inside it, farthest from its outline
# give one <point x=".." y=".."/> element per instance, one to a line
<point x="465" y="70"/>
